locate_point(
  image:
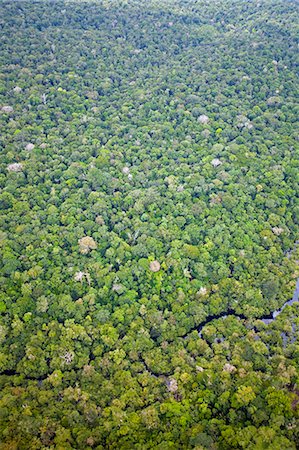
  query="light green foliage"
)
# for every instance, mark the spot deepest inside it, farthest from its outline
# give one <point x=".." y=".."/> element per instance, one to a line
<point x="149" y="190"/>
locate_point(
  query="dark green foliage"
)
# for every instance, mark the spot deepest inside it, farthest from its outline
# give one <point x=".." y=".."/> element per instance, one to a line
<point x="149" y="188"/>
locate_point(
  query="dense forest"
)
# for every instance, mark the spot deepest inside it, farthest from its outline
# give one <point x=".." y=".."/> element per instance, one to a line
<point x="149" y="216"/>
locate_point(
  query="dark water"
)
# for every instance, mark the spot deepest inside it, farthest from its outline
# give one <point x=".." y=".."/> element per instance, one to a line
<point x="276" y="313"/>
<point x="267" y="319"/>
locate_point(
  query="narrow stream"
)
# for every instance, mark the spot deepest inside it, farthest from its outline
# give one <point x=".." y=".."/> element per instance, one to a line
<point x="267" y="319"/>
<point x="276" y="313"/>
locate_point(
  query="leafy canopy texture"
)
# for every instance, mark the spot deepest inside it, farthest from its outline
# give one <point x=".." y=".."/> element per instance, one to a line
<point x="149" y="217"/>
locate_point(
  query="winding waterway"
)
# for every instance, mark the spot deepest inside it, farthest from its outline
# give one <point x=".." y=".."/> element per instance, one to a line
<point x="276" y="313"/>
<point x="266" y="319"/>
